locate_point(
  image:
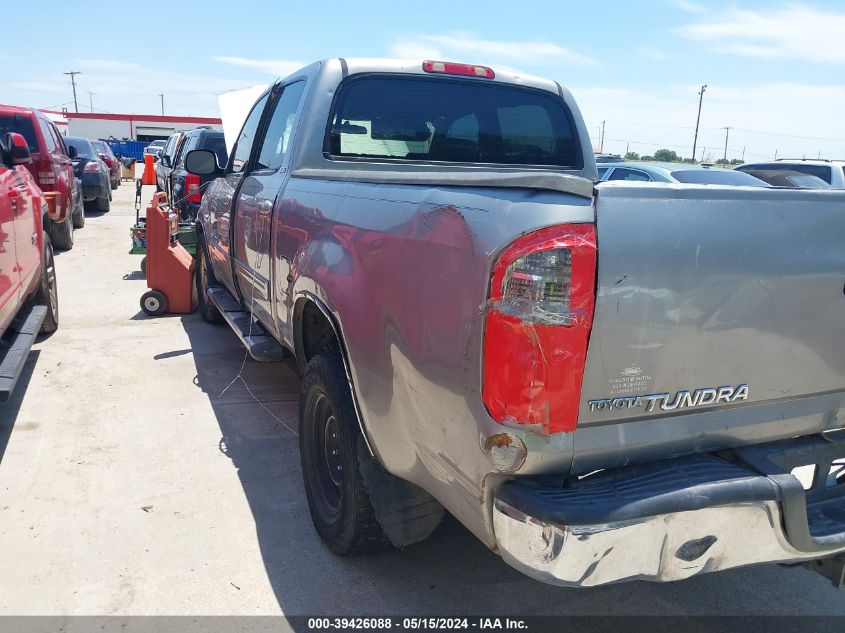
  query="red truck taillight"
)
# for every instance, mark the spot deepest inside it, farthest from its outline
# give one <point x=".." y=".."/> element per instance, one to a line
<point x="537" y="324"/>
<point x="192" y="188"/>
<point x="44" y="173"/>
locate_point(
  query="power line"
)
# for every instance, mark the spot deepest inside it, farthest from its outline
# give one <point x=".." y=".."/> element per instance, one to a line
<point x="807" y="138"/>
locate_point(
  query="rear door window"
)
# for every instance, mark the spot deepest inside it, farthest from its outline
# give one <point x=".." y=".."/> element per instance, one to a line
<point x="22" y="124"/>
<point x="189" y="144"/>
<point x="430" y="119"/>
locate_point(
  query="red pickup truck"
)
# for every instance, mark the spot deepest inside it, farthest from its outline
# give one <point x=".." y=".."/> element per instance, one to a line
<point x="28" y="296"/>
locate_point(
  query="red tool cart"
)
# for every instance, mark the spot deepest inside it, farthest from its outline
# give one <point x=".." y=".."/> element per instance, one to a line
<point x="170" y="268"/>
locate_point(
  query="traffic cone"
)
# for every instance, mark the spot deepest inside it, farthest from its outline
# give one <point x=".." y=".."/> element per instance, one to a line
<point x="149" y="177"/>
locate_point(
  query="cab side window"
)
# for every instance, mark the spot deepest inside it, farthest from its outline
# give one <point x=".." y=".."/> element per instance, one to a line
<point x="276" y="141"/>
<point x="246" y="139"/>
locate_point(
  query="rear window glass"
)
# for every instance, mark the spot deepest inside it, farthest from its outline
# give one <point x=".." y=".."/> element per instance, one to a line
<point x="717" y="177"/>
<point x="102" y="147"/>
<point x="84" y="149"/>
<point x="217" y="144"/>
<point x="20" y="124"/>
<point x="819" y="171"/>
<point x="446" y="120"/>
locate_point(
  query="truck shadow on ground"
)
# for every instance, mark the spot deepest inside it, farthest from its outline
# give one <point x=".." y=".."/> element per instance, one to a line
<point x="452" y="572"/>
<point x="9" y="410"/>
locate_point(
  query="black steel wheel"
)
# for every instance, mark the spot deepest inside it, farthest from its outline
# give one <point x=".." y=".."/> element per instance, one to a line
<point x="153" y="303"/>
<point x="331" y="454"/>
<point x="48" y="291"/>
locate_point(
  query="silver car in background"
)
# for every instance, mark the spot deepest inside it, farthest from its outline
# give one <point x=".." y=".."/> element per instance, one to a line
<point x="831" y="171"/>
<point x="676" y="172"/>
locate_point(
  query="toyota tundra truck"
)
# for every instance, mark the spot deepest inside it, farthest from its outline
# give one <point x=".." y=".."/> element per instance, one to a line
<point x="602" y="382"/>
<point x="28" y="296"/>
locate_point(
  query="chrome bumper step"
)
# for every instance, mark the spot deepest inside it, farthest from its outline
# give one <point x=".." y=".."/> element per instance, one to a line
<point x="673" y="519"/>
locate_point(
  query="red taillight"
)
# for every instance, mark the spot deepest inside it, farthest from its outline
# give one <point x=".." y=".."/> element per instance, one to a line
<point x="91" y="167"/>
<point x="451" y="68"/>
<point x="537" y="324"/>
<point x="192" y="188"/>
<point x="44" y="172"/>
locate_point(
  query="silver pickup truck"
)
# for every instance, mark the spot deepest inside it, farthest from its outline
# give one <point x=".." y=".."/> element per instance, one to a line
<point x="601" y="383"/>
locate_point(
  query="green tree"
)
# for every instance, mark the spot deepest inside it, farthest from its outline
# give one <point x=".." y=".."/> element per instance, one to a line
<point x="632" y="156"/>
<point x="666" y="156"/>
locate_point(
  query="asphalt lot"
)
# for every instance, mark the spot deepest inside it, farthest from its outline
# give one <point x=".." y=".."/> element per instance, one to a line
<point x="128" y="485"/>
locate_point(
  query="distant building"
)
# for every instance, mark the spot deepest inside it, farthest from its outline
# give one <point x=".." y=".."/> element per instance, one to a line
<point x="135" y="127"/>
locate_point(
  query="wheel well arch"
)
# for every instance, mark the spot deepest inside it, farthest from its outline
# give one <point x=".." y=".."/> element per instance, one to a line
<point x="315" y="330"/>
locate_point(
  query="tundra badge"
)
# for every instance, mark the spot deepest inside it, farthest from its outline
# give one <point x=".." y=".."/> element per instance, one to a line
<point x="702" y="397"/>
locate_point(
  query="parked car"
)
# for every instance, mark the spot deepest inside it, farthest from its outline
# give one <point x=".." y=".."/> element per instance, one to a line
<point x="425" y="241"/>
<point x="29" y="301"/>
<point x="185" y="190"/>
<point x="831" y="171"/>
<point x="92" y="171"/>
<point x="609" y="158"/>
<point x="155" y="148"/>
<point x="676" y="172"/>
<point x="164" y="165"/>
<point x="107" y="156"/>
<point x="788" y="178"/>
<point x="50" y="167"/>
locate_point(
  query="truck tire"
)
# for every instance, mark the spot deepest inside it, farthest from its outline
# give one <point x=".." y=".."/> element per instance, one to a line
<point x="104" y="204"/>
<point x="329" y="437"/>
<point x="47" y="293"/>
<point x="61" y="233"/>
<point x="79" y="215"/>
<point x="204" y="278"/>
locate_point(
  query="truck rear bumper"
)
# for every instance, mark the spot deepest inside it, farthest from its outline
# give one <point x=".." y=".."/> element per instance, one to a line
<point x="675" y="519"/>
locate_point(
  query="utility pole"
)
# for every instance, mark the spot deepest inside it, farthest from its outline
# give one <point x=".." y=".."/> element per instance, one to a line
<point x="90" y="100"/>
<point x="725" y="157"/>
<point x="698" y="119"/>
<point x="161" y="94"/>
<point x="743" y="154"/>
<point x="628" y="148"/>
<point x="776" y="154"/>
<point x="73" y="74"/>
<point x="703" y="151"/>
<point x="601" y="147"/>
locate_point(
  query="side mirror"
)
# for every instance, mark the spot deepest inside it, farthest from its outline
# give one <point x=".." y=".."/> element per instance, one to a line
<point x="202" y="162"/>
<point x="71" y="151"/>
<point x="18" y="149"/>
<point x="165" y="160"/>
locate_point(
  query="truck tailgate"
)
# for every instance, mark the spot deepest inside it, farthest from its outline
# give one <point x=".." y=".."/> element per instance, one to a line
<point x="711" y="300"/>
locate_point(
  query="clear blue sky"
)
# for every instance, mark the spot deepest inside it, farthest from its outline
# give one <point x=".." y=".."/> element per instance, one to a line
<point x="774" y="69"/>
